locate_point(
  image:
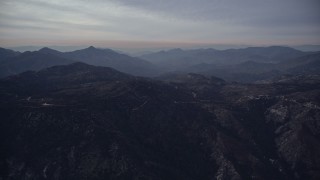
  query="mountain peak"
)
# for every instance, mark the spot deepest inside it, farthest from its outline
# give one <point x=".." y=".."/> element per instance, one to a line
<point x="45" y="48"/>
<point x="91" y="48"/>
<point x="48" y="50"/>
<point x="94" y="51"/>
<point x="7" y="53"/>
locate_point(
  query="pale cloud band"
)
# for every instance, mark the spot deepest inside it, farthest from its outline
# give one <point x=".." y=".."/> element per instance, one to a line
<point x="74" y="22"/>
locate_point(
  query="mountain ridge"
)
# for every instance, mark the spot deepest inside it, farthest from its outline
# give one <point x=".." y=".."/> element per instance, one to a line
<point x="176" y="60"/>
<point x="80" y="121"/>
<point x="241" y="65"/>
<point x="94" y="56"/>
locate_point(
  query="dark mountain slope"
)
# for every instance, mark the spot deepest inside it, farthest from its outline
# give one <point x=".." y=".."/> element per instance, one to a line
<point x="178" y="59"/>
<point x="7" y="53"/>
<point x="30" y="61"/>
<point x="47" y="57"/>
<point x="85" y="122"/>
<point x="110" y="58"/>
<point x="275" y="53"/>
<point x="252" y="71"/>
<point x="103" y="123"/>
<point x="50" y="51"/>
<point x="309" y="64"/>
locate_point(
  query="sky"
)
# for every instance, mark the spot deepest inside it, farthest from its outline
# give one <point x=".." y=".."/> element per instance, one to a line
<point x="159" y="23"/>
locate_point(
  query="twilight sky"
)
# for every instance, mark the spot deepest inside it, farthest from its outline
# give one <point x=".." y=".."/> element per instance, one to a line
<point x="158" y="23"/>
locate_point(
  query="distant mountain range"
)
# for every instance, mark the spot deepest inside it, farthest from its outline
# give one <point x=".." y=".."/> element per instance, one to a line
<point x="21" y="62"/>
<point x="15" y="62"/>
<point x="251" y="71"/>
<point x="7" y="53"/>
<point x="177" y="59"/>
<point x="241" y="65"/>
<point x="80" y="121"/>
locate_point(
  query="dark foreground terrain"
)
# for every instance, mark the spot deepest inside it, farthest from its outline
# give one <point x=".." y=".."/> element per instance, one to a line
<point x="85" y="122"/>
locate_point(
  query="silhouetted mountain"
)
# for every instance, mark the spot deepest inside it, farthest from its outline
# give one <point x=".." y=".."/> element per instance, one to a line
<point x="110" y="58"/>
<point x="30" y="61"/>
<point x="7" y="53"/>
<point x="178" y="59"/>
<point x="242" y="65"/>
<point x="47" y="50"/>
<point x="274" y="53"/>
<point x="90" y="55"/>
<point x="85" y="122"/>
<point x="252" y="71"/>
<point x="309" y="64"/>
